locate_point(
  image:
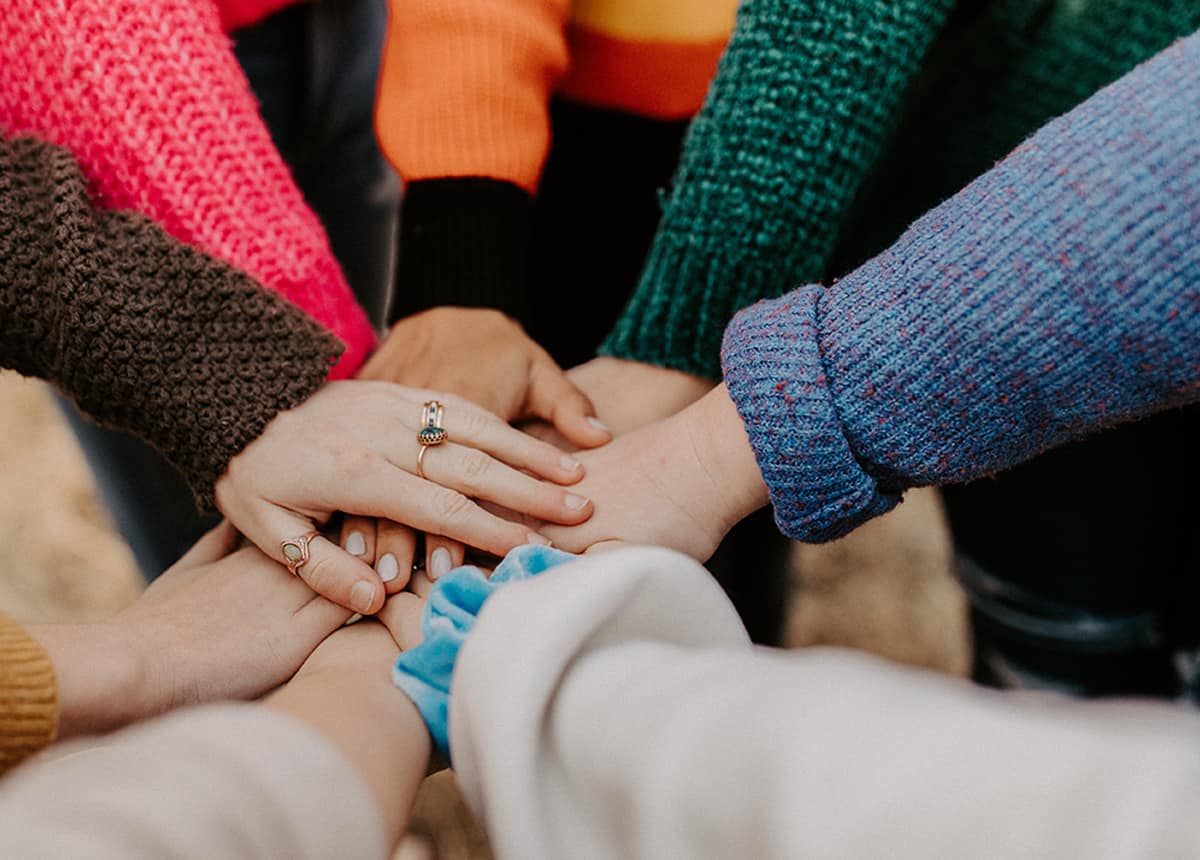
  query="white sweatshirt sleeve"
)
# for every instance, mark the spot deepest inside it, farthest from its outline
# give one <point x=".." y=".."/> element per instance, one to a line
<point x="613" y="708"/>
<point x="225" y="781"/>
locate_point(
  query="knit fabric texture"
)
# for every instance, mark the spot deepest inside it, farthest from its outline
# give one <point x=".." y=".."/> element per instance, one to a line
<point x="798" y="111"/>
<point x="426" y="673"/>
<point x="142" y="332"/>
<point x="833" y="124"/>
<point x="148" y="96"/>
<point x="28" y="696"/>
<point x="1056" y="295"/>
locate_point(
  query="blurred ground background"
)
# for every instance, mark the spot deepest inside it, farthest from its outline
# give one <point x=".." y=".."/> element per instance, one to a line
<point x="887" y="588"/>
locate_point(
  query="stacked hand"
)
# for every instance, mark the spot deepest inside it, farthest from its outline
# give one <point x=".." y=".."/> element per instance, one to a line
<point x="353" y="447"/>
<point x="483" y="357"/>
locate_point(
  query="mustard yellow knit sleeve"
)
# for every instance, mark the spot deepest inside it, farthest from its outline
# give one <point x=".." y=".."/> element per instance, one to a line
<point x="28" y="696"/>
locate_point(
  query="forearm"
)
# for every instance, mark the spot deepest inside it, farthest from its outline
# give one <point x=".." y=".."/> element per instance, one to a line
<point x="143" y="333"/>
<point x="650" y="728"/>
<point x="797" y="114"/>
<point x="1054" y="296"/>
<point x="721" y="444"/>
<point x="230" y="781"/>
<point x="375" y="728"/>
<point x="150" y="99"/>
<point x="99" y="677"/>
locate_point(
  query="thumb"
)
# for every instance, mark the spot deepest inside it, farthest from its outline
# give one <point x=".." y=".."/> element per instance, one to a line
<point x="329" y="570"/>
<point x="553" y="397"/>
<point x="217" y="543"/>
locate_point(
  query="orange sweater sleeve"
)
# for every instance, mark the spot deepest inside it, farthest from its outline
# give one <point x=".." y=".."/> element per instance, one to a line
<point x="28" y="696"/>
<point x="465" y="87"/>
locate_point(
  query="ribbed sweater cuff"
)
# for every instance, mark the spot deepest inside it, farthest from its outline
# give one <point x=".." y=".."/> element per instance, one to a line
<point x="796" y="116"/>
<point x="28" y="696"/>
<point x="776" y="377"/>
<point x="674" y="319"/>
<point x="463" y="241"/>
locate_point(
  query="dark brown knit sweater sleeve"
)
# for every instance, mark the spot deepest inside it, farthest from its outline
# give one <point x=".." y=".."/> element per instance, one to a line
<point x="142" y="332"/>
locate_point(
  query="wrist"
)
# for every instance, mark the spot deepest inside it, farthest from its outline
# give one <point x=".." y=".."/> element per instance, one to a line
<point x="375" y="727"/>
<point x="463" y="241"/>
<point x="720" y="441"/>
<point x="100" y="674"/>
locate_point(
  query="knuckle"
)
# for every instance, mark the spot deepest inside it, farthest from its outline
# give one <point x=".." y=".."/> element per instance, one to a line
<point x="471" y="422"/>
<point x="476" y="466"/>
<point x="321" y="575"/>
<point x="450" y="506"/>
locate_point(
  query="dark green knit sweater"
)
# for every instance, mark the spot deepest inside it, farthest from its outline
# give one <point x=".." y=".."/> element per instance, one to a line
<point x="144" y="333"/>
<point x="833" y="123"/>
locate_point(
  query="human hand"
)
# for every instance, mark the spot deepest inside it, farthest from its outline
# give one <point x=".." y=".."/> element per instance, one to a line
<point x="219" y="624"/>
<point x="627" y="395"/>
<point x="631" y="394"/>
<point x="344" y="692"/>
<point x="353" y="447"/>
<point x="681" y="483"/>
<point x="437" y="349"/>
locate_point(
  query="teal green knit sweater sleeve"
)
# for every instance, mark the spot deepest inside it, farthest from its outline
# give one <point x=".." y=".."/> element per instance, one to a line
<point x="798" y="112"/>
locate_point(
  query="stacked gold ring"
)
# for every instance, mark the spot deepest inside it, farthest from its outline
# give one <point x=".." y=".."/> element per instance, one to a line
<point x="431" y="433"/>
<point x="295" y="552"/>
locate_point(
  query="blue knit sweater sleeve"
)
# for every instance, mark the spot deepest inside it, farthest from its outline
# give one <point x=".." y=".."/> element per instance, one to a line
<point x="1057" y="294"/>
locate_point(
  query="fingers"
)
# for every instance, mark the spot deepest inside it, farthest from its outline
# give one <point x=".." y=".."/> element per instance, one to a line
<point x="442" y="555"/>
<point x="395" y="494"/>
<point x="555" y="398"/>
<point x="471" y="426"/>
<point x="401" y="615"/>
<point x="330" y="571"/>
<point x="477" y="475"/>
<point x="216" y="543"/>
<point x="421" y="585"/>
<point x="358" y="537"/>
<point x="396" y="548"/>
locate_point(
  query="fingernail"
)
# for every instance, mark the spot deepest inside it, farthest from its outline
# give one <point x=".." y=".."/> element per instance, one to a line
<point x="534" y="537"/>
<point x="570" y="464"/>
<point x="361" y="597"/>
<point x="356" y="544"/>
<point x="574" y="502"/>
<point x="599" y="425"/>
<point x="387" y="567"/>
<point x="439" y="562"/>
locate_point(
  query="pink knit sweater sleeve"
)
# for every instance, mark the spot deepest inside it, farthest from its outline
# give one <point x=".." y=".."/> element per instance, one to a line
<point x="148" y="97"/>
<point x="242" y="13"/>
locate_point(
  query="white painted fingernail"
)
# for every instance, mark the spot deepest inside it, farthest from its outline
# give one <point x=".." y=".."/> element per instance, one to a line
<point x="574" y="502"/>
<point x="361" y="596"/>
<point x="599" y="425"/>
<point x="534" y="537"/>
<point x="387" y="567"/>
<point x="570" y="464"/>
<point x="440" y="562"/>
<point x="356" y="544"/>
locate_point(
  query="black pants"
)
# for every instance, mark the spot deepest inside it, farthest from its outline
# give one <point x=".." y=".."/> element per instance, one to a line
<point x="1082" y="565"/>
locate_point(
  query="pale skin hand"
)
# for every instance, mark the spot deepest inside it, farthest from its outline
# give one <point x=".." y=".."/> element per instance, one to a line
<point x="217" y="625"/>
<point x="627" y="395"/>
<point x="681" y="483"/>
<point x="344" y="691"/>
<point x="440" y="349"/>
<point x="632" y="394"/>
<point x="353" y="447"/>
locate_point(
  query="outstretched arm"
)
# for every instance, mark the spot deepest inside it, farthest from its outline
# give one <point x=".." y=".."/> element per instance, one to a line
<point x="328" y="767"/>
<point x="1055" y="296"/>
